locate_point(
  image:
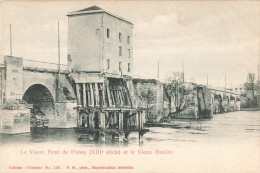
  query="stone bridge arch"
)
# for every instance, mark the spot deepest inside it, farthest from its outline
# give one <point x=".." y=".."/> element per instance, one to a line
<point x="228" y="98"/>
<point x="41" y="98"/>
<point x="45" y="79"/>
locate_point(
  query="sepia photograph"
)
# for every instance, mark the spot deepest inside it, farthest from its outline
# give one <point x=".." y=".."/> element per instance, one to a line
<point x="129" y="86"/>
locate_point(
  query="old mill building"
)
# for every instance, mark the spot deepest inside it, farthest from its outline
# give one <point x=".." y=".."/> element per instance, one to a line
<point x="100" y="59"/>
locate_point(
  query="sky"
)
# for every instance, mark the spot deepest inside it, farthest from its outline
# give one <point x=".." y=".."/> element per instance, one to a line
<point x="211" y="38"/>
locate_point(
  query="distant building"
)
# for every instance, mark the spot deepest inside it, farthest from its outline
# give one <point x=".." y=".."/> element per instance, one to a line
<point x="99" y="41"/>
<point x="240" y="89"/>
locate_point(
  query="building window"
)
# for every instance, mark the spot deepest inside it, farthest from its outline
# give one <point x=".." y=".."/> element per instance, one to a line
<point x="128" y="39"/>
<point x="120" y="66"/>
<point x="69" y="57"/>
<point x="120" y="50"/>
<point x="129" y="67"/>
<point x="120" y="37"/>
<point x="129" y="53"/>
<point x="108" y="33"/>
<point x="108" y="63"/>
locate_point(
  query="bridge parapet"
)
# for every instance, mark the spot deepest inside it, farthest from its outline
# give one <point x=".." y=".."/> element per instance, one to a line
<point x="43" y="66"/>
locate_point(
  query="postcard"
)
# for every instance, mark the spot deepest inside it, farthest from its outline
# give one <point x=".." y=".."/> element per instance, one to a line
<point x="129" y="86"/>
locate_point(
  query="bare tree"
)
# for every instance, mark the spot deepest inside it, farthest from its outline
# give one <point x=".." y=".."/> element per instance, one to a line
<point x="182" y="94"/>
<point x="250" y="87"/>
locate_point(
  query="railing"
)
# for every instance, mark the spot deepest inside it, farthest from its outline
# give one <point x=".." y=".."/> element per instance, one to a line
<point x="44" y="65"/>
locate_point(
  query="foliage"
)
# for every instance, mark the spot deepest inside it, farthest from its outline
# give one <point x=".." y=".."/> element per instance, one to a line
<point x="183" y="94"/>
<point x="250" y="82"/>
<point x="250" y="89"/>
<point x="147" y="94"/>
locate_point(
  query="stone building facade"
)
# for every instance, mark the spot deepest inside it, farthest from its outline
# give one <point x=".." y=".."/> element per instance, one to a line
<point x="99" y="41"/>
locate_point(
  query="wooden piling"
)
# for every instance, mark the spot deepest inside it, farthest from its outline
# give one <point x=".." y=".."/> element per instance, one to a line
<point x="108" y="94"/>
<point x="121" y="117"/>
<point x="78" y="94"/>
<point x="92" y="95"/>
<point x="103" y="95"/>
<point x="121" y="137"/>
<point x="84" y="95"/>
<point x="140" y="120"/>
<point x="126" y="136"/>
<point x="141" y="138"/>
<point x="103" y="137"/>
<point x="91" y="119"/>
<point x="103" y="120"/>
<point x="97" y="94"/>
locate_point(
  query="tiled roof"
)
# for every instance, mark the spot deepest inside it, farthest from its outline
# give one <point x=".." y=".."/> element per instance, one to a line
<point x="95" y="9"/>
<point x="92" y="8"/>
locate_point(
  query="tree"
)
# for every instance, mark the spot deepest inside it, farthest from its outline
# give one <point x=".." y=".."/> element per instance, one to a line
<point x="182" y="94"/>
<point x="250" y="87"/>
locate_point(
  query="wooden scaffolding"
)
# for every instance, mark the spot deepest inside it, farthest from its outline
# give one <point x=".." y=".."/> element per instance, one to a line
<point x="108" y="108"/>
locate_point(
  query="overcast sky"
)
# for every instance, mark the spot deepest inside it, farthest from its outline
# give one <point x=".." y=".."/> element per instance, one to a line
<point x="214" y="38"/>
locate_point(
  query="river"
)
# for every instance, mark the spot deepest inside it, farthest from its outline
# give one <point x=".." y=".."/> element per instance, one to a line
<point x="226" y="143"/>
<point x="235" y="126"/>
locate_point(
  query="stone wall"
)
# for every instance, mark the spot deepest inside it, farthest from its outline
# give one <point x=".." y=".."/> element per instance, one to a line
<point x="205" y="102"/>
<point x="2" y="85"/>
<point x="65" y="116"/>
<point x="149" y="93"/>
<point x="13" y="78"/>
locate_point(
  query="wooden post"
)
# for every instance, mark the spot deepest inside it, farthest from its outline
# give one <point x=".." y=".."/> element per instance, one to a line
<point x="141" y="138"/>
<point x="140" y="120"/>
<point x="104" y="95"/>
<point x="121" y="116"/>
<point x="103" y="120"/>
<point x="137" y="120"/>
<point x="127" y="136"/>
<point x="108" y="94"/>
<point x="97" y="94"/>
<point x="103" y="137"/>
<point x="122" y="97"/>
<point x="92" y="95"/>
<point x="91" y="119"/>
<point x="128" y="94"/>
<point x="115" y="117"/>
<point x="106" y="117"/>
<point x="113" y="137"/>
<point x="78" y="93"/>
<point x="80" y="119"/>
<point x="121" y="137"/>
<point x="77" y="118"/>
<point x="84" y="95"/>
